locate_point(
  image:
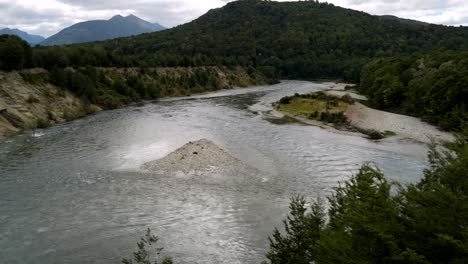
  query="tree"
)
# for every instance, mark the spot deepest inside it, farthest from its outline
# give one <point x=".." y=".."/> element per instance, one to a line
<point x="421" y="223"/>
<point x="147" y="247"/>
<point x="15" y="53"/>
<point x="435" y="211"/>
<point x="302" y="231"/>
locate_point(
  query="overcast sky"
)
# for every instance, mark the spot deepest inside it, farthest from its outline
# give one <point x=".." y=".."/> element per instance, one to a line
<point x="47" y="17"/>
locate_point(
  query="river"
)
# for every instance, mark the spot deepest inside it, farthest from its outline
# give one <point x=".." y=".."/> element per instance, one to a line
<point x="74" y="192"/>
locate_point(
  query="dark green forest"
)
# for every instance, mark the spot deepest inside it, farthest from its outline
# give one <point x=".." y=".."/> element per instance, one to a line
<point x="295" y="40"/>
<point x="433" y="86"/>
<point x="306" y="40"/>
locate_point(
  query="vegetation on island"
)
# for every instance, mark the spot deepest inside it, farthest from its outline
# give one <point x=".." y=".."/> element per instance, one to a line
<point x="325" y="108"/>
<point x="316" y="106"/>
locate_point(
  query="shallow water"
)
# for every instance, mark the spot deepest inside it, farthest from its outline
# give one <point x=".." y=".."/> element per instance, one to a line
<point x="74" y="192"/>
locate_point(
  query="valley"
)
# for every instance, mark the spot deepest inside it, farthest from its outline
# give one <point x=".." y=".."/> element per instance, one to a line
<point x="246" y="131"/>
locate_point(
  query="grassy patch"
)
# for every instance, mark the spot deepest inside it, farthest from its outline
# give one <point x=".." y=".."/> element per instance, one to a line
<point x="306" y="106"/>
<point x="316" y="106"/>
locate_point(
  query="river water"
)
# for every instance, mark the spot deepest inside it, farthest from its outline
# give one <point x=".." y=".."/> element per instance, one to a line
<point x="74" y="192"/>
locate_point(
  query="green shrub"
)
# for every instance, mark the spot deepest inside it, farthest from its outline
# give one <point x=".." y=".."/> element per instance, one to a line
<point x="42" y="123"/>
<point x="148" y="252"/>
<point x="285" y="100"/>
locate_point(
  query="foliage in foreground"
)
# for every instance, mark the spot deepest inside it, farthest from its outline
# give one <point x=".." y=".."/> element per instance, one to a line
<point x="425" y="222"/>
<point x="148" y="252"/>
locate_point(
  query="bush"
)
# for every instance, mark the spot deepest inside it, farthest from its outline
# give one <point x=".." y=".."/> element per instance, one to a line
<point x="372" y="134"/>
<point x="348" y="99"/>
<point x="334" y="118"/>
<point x="143" y="256"/>
<point x="42" y="123"/>
<point x="285" y="100"/>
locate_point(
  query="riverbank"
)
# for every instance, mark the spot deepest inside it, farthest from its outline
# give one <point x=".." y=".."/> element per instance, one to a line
<point x="27" y="105"/>
<point x="372" y="123"/>
<point x="28" y="100"/>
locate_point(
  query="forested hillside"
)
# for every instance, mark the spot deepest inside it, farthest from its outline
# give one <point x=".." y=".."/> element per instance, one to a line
<point x="433" y="86"/>
<point x="307" y="40"/>
<point x="298" y="39"/>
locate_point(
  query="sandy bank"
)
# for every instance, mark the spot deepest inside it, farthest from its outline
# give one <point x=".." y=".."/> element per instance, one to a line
<point x="363" y="118"/>
<point x="407" y="127"/>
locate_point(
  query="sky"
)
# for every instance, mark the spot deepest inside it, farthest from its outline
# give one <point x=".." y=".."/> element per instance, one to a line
<point x="47" y="17"/>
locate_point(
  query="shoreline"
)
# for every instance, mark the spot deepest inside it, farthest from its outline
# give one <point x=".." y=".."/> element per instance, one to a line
<point x="362" y="118"/>
<point x="26" y="104"/>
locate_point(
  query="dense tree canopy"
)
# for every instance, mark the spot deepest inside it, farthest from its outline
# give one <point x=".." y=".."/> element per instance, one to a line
<point x="306" y="39"/>
<point x="433" y="86"/>
<point x="15" y="53"/>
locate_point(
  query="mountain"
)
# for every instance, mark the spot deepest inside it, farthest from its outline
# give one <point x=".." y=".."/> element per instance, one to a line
<point x="302" y="39"/>
<point x="31" y="39"/>
<point x="95" y="30"/>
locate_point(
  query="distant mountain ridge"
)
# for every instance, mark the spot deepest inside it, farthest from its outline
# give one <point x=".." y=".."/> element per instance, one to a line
<point x="31" y="39"/>
<point x="96" y="30"/>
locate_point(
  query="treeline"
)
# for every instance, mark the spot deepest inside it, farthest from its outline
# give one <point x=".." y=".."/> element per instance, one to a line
<point x="367" y="222"/>
<point x="113" y="87"/>
<point x="433" y="86"/>
<point x="306" y="40"/>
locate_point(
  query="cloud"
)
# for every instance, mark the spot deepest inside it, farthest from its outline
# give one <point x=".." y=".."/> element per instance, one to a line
<point x="46" y="17"/>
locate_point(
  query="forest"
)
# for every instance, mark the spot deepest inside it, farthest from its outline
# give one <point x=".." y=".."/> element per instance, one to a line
<point x="305" y="40"/>
<point x="433" y="86"/>
<point x="414" y="68"/>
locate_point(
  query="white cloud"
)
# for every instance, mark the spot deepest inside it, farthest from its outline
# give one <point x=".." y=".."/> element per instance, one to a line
<point x="47" y="17"/>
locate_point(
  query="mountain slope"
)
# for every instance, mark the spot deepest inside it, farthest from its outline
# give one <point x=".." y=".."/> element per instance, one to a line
<point x="31" y="39"/>
<point x="96" y="30"/>
<point x="300" y="39"/>
<point x="404" y="20"/>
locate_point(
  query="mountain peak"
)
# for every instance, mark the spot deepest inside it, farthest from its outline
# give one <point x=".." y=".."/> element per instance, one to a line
<point x="96" y="30"/>
<point x="31" y="39"/>
<point x="116" y="17"/>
